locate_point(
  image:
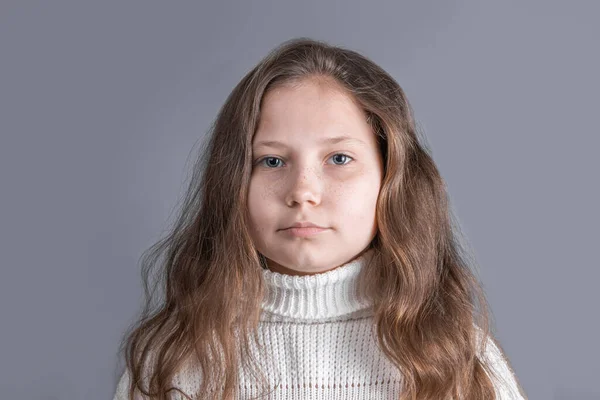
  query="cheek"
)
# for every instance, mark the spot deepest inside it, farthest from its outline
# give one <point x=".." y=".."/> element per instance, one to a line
<point x="355" y="205"/>
<point x="253" y="203"/>
<point x="259" y="201"/>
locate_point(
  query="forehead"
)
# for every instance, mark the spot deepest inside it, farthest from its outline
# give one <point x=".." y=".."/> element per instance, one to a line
<point x="309" y="111"/>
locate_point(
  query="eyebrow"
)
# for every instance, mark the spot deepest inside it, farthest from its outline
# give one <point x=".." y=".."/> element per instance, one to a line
<point x="329" y="140"/>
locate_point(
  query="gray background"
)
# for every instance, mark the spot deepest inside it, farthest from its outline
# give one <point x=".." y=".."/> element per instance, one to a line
<point x="101" y="103"/>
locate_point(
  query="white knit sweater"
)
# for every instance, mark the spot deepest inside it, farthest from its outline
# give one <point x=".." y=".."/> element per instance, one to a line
<point x="321" y="344"/>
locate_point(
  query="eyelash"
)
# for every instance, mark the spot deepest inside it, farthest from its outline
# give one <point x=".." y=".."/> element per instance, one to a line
<point x="336" y="154"/>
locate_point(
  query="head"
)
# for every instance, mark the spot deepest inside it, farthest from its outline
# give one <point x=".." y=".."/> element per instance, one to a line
<point x="317" y="160"/>
<point x="273" y="158"/>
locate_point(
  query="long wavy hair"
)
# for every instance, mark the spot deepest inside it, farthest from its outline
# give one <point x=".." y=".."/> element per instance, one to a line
<point x="430" y="310"/>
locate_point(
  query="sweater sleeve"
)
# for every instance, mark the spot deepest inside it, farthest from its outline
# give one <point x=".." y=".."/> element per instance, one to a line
<point x="505" y="382"/>
<point x="187" y="380"/>
<point x="122" y="387"/>
<point x="121" y="392"/>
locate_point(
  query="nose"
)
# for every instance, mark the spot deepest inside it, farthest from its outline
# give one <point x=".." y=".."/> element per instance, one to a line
<point x="305" y="187"/>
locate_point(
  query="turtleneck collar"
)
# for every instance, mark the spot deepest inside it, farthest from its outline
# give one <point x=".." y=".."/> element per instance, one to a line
<point x="327" y="295"/>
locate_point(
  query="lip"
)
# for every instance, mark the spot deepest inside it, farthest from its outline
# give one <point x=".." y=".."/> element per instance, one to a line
<point x="304" y="231"/>
<point x="304" y="224"/>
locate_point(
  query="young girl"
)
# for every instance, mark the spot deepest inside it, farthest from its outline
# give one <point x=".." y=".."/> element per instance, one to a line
<point x="315" y="255"/>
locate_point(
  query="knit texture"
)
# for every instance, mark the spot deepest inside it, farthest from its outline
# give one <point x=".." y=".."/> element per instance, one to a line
<point x="320" y="343"/>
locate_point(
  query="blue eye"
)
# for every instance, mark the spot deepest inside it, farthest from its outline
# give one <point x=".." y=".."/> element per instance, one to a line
<point x="259" y="162"/>
<point x="345" y="157"/>
<point x="270" y="158"/>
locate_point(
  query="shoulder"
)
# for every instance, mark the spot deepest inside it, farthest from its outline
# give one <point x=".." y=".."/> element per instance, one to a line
<point x="122" y="387"/>
<point x="506" y="384"/>
<point x="187" y="379"/>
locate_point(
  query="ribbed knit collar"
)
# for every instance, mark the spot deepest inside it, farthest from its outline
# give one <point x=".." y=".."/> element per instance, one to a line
<point x="327" y="295"/>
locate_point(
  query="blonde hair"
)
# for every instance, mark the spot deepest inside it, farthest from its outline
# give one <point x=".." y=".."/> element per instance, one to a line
<point x="429" y="309"/>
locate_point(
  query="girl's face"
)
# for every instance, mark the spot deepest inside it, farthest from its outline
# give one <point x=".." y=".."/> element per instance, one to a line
<point x="321" y="165"/>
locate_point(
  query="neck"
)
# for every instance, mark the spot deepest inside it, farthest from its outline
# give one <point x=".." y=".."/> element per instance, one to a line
<point x="331" y="294"/>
